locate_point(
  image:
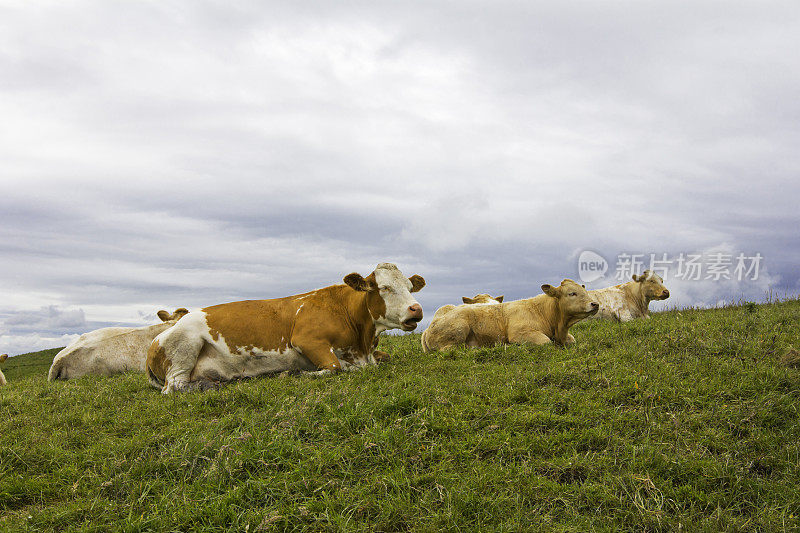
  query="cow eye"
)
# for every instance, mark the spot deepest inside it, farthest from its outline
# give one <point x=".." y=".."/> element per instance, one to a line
<point x="573" y="294"/>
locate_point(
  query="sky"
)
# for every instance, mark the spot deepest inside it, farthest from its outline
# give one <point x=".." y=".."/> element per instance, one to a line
<point x="156" y="155"/>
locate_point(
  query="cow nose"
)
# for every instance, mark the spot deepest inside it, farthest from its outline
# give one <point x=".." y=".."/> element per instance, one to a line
<point x="666" y="293"/>
<point x="416" y="311"/>
<point x="595" y="305"/>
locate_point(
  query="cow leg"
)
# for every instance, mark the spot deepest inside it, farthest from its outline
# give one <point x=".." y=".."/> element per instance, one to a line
<point x="443" y="336"/>
<point x="349" y="367"/>
<point x="379" y="357"/>
<point x="343" y="366"/>
<point x="625" y="315"/>
<point x="202" y="385"/>
<point x="321" y="354"/>
<point x="317" y="373"/>
<point x="472" y="341"/>
<point x="570" y="339"/>
<point x="182" y="353"/>
<point x="172" y="356"/>
<point x="528" y="337"/>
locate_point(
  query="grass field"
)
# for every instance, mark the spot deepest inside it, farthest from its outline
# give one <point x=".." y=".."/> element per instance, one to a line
<point x="688" y="421"/>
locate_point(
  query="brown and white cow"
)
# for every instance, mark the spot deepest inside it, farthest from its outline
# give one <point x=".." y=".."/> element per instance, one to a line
<point x="630" y="300"/>
<point x="478" y="299"/>
<point x="108" y="351"/>
<point x="322" y="331"/>
<point x="2" y="377"/>
<point x="539" y="320"/>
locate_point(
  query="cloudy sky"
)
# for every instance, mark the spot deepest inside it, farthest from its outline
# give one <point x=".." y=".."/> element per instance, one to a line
<point x="165" y="154"/>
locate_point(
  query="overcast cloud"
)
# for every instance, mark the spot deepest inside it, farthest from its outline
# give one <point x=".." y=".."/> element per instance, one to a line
<point x="166" y="154"/>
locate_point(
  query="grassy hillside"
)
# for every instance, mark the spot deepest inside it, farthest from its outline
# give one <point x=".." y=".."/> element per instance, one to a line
<point x="29" y="364"/>
<point x="688" y="420"/>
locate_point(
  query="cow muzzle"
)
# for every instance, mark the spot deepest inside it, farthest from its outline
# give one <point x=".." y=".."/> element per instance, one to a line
<point x="594" y="308"/>
<point x="415" y="315"/>
<point x="665" y="294"/>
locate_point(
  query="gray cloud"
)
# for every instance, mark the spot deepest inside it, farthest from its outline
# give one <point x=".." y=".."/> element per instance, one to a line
<point x="51" y="317"/>
<point x="189" y="153"/>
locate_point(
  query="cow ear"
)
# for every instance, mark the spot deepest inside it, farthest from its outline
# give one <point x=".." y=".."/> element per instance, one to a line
<point x="358" y="282"/>
<point x="179" y="312"/>
<point x="467" y="300"/>
<point x="163" y="315"/>
<point x="550" y="290"/>
<point x="417" y="282"/>
<point x="499" y="298"/>
<point x="638" y="278"/>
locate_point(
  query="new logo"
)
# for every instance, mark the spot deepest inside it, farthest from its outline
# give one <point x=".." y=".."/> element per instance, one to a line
<point x="591" y="266"/>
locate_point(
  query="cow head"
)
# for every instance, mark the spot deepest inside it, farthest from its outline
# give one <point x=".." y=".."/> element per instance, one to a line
<point x="389" y="298"/>
<point x="166" y="317"/>
<point x="482" y="299"/>
<point x="3" y="357"/>
<point x="573" y="300"/>
<point x="652" y="286"/>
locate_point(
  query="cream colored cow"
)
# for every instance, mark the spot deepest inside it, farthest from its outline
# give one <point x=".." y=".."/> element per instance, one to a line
<point x="2" y="377"/>
<point x="482" y="298"/>
<point x="478" y="299"/>
<point x="109" y="351"/>
<point x="630" y="300"/>
<point x="539" y="320"/>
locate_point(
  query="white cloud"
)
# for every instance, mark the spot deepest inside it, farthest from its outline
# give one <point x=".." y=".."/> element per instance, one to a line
<point x="18" y="344"/>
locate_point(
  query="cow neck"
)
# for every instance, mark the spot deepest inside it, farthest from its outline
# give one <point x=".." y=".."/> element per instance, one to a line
<point x="558" y="323"/>
<point x="360" y="318"/>
<point x="633" y="292"/>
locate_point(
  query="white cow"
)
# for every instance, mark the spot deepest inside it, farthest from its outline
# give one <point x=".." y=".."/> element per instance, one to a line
<point x="630" y="300"/>
<point x="478" y="299"/>
<point x="2" y="377"/>
<point x="109" y="351"/>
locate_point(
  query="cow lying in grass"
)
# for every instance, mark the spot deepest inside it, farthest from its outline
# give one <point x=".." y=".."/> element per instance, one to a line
<point x="630" y="300"/>
<point x="475" y="300"/>
<point x="482" y="298"/>
<point x="478" y="299"/>
<point x="109" y="351"/>
<point x="539" y="320"/>
<point x="2" y="377"/>
<point x="322" y="331"/>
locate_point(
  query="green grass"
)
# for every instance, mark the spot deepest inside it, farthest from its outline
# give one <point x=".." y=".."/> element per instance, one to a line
<point x="685" y="421"/>
<point x="29" y="364"/>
